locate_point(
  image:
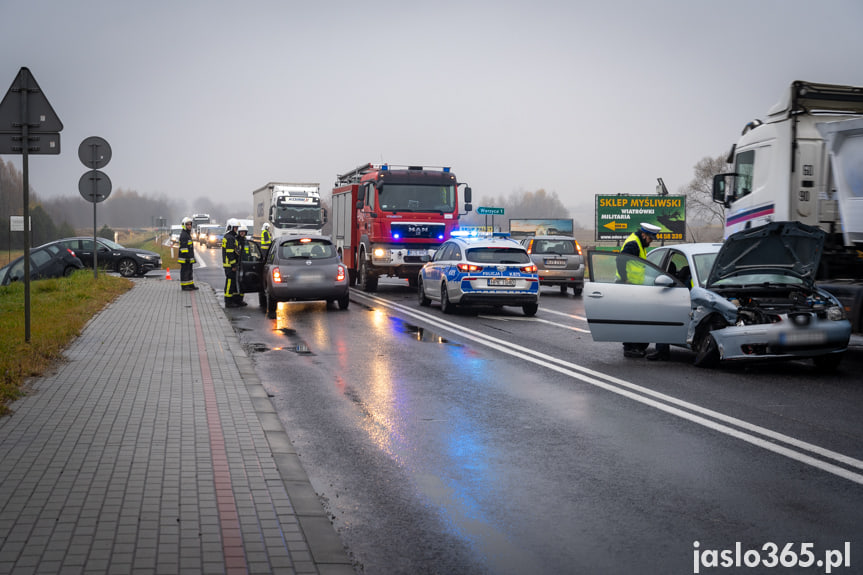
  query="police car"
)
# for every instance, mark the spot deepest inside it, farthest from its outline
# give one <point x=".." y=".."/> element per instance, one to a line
<point x="480" y="270"/>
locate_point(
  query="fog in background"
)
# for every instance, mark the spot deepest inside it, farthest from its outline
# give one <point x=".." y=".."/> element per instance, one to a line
<point x="215" y="99"/>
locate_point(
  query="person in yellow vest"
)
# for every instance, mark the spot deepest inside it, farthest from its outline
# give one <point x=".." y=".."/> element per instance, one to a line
<point x="266" y="238"/>
<point x="186" y="258"/>
<point x="630" y="272"/>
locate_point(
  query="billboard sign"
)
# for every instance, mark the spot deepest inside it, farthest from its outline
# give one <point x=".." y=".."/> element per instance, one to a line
<point x="524" y="227"/>
<point x="618" y="216"/>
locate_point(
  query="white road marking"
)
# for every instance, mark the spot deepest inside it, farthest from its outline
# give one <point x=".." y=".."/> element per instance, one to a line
<point x="768" y="439"/>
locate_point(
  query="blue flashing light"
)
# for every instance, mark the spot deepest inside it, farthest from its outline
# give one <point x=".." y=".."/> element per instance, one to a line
<point x="446" y="169"/>
<point x="384" y="168"/>
<point x="396" y="236"/>
<point x="464" y="233"/>
<point x="440" y="236"/>
<point x="501" y="234"/>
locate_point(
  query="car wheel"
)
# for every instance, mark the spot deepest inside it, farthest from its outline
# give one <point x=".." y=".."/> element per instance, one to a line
<point x="412" y="281"/>
<point x="272" y="306"/>
<point x="68" y="271"/>
<point x="706" y="350"/>
<point x="530" y="309"/>
<point x="563" y="289"/>
<point x="367" y="280"/>
<point x="446" y="306"/>
<point x="828" y="363"/>
<point x="127" y="267"/>
<point x="344" y="301"/>
<point x="576" y="290"/>
<point x="421" y="293"/>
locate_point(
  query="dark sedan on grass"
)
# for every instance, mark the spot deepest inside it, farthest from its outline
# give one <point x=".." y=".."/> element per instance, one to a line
<point x="47" y="261"/>
<point x="128" y="262"/>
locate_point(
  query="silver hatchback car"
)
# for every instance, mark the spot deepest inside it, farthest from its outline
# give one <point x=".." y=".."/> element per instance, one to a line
<point x="304" y="269"/>
<point x="559" y="261"/>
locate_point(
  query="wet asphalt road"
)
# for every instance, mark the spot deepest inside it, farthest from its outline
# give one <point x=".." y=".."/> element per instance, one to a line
<point x="493" y="443"/>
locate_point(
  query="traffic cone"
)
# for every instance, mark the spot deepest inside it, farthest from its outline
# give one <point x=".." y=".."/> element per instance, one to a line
<point x="167" y="273"/>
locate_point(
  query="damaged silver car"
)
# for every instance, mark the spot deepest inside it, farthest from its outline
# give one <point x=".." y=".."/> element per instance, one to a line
<point x="759" y="300"/>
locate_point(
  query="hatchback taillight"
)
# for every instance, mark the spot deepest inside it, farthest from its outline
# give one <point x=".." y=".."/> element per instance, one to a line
<point x="277" y="276"/>
<point x="71" y="252"/>
<point x="578" y="248"/>
<point x="469" y="268"/>
<point x="340" y="275"/>
<point x="531" y="269"/>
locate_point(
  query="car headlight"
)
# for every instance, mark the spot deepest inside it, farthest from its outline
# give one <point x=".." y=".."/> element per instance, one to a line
<point x="145" y="256"/>
<point x="836" y="313"/>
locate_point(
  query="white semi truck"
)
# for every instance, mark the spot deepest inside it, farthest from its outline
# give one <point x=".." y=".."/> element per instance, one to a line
<point x="805" y="163"/>
<point x="290" y="209"/>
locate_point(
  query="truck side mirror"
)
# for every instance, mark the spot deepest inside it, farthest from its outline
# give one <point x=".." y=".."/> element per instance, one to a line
<point x="467" y="197"/>
<point x="720" y="189"/>
<point x="324" y="210"/>
<point x="468" y="207"/>
<point x="361" y="196"/>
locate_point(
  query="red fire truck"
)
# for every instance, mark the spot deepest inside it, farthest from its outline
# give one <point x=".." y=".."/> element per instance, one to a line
<point x="388" y="220"/>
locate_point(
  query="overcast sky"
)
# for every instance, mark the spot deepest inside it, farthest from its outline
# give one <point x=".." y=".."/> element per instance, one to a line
<point x="579" y="98"/>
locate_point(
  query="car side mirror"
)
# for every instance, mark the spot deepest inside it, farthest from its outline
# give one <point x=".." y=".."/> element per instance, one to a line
<point x="664" y="280"/>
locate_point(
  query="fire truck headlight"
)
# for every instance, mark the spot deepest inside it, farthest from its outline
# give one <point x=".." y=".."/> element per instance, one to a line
<point x="379" y="252"/>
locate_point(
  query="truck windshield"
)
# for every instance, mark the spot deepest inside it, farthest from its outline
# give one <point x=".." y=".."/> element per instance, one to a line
<point x="297" y="217"/>
<point x="417" y="198"/>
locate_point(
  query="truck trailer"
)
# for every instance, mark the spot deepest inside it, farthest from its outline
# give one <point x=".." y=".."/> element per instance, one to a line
<point x="805" y="163"/>
<point x="388" y="220"/>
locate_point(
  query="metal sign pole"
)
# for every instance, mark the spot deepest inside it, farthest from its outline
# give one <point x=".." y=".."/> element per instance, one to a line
<point x="25" y="145"/>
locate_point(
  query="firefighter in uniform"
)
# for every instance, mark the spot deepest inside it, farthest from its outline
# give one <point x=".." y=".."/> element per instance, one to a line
<point x="266" y="238"/>
<point x="243" y="253"/>
<point x="630" y="272"/>
<point x="231" y="264"/>
<point x="187" y="256"/>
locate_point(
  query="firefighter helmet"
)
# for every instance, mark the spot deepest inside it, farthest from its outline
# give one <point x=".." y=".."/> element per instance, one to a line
<point x="266" y="226"/>
<point x="232" y="223"/>
<point x="187" y="220"/>
<point x="243" y="229"/>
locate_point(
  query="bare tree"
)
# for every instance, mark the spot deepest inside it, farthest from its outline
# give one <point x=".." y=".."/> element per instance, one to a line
<point x="700" y="207"/>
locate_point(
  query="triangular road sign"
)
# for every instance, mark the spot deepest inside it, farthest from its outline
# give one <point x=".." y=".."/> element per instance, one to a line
<point x="40" y="115"/>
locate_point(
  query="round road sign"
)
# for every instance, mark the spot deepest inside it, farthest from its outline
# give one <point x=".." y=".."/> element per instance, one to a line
<point x="95" y="186"/>
<point x="94" y="152"/>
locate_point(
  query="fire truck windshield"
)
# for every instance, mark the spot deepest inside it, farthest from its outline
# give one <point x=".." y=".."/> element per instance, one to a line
<point x="417" y="198"/>
<point x="296" y="216"/>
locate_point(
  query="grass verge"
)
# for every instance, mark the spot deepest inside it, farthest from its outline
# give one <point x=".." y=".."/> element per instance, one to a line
<point x="59" y="309"/>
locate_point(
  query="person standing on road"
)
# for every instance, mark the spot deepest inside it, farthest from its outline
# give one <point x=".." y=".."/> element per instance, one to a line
<point x="187" y="256"/>
<point x="630" y="272"/>
<point x="243" y="252"/>
<point x="266" y="239"/>
<point x="231" y="263"/>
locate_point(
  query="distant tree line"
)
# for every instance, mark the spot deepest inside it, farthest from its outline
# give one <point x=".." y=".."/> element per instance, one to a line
<point x="53" y="218"/>
<point x="518" y="205"/>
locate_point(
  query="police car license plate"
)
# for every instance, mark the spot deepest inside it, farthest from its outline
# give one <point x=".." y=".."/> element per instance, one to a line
<point x="501" y="282"/>
<point x="550" y="262"/>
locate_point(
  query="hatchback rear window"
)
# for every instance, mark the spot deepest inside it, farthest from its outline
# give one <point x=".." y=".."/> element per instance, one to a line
<point x="308" y="249"/>
<point x="553" y="247"/>
<point x="498" y="256"/>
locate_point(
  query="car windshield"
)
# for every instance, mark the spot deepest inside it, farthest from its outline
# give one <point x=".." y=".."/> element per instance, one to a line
<point x="497" y="255"/>
<point x="562" y="247"/>
<point x="308" y="249"/>
<point x="703" y="263"/>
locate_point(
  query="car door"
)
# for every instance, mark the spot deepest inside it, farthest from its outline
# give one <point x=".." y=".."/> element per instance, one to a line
<point x="252" y="268"/>
<point x="432" y="271"/>
<point x="655" y="310"/>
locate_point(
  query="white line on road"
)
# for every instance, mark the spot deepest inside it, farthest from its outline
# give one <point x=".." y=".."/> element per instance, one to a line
<point x="720" y="422"/>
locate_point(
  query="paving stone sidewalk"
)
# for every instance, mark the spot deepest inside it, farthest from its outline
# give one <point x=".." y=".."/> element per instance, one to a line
<point x="155" y="449"/>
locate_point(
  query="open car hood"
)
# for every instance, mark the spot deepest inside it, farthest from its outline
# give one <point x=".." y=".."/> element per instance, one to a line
<point x="787" y="248"/>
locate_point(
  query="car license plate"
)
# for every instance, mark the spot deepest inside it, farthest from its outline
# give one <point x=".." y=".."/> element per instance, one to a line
<point x="501" y="282"/>
<point x="418" y="252"/>
<point x="555" y="262"/>
<point x="799" y="338"/>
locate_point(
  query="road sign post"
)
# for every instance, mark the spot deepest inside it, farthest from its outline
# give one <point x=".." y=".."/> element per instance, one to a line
<point x="94" y="186"/>
<point x="487" y="211"/>
<point x="28" y="125"/>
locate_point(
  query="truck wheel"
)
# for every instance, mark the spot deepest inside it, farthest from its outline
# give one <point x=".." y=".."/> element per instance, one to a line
<point x="367" y="280"/>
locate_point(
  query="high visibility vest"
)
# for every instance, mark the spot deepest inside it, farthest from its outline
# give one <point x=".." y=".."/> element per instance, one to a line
<point x="187" y="249"/>
<point x="266" y="239"/>
<point x="634" y="270"/>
